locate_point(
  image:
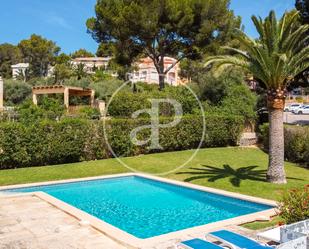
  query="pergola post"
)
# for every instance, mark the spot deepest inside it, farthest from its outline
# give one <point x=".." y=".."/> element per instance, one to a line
<point x="66" y="97"/>
<point x="92" y="98"/>
<point x="34" y="99"/>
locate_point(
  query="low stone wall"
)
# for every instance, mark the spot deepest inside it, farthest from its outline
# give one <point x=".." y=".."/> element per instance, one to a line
<point x="248" y="139"/>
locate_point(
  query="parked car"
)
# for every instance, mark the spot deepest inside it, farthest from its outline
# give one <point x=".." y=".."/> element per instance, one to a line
<point x="295" y="109"/>
<point x="291" y="107"/>
<point x="302" y="110"/>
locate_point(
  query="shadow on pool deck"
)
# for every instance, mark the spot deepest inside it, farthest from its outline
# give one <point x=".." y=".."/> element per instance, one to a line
<point x="235" y="175"/>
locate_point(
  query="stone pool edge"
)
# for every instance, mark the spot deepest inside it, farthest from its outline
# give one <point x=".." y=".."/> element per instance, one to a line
<point x="131" y="241"/>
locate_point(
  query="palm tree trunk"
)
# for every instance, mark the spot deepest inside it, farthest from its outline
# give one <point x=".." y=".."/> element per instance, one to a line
<point x="276" y="173"/>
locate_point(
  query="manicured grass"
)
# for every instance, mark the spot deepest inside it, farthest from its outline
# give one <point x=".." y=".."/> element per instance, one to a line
<point x="234" y="169"/>
<point x="257" y="225"/>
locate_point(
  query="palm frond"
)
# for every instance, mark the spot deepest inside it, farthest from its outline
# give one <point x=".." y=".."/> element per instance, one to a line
<point x="219" y="61"/>
<point x="289" y="24"/>
<point x="258" y="23"/>
<point x="299" y="58"/>
<point x="279" y="54"/>
<point x="237" y="51"/>
<point x="294" y="38"/>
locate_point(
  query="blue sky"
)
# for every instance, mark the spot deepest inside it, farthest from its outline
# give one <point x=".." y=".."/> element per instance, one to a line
<point x="63" y="21"/>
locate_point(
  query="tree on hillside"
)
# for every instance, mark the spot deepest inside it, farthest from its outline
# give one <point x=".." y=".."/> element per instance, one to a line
<point x="302" y="6"/>
<point x="40" y="53"/>
<point x="62" y="69"/>
<point x="81" y="53"/>
<point x="9" y="55"/>
<point x="80" y="71"/>
<point x="105" y="50"/>
<point x="159" y="28"/>
<point x="62" y="59"/>
<point x="280" y="53"/>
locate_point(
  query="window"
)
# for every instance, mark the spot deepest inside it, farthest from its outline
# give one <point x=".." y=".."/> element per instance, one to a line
<point x="143" y="75"/>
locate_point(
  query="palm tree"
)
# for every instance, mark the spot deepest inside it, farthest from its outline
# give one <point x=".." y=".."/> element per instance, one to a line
<point x="280" y="53"/>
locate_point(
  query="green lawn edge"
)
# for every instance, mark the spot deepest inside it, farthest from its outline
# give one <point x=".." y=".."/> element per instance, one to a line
<point x="235" y="169"/>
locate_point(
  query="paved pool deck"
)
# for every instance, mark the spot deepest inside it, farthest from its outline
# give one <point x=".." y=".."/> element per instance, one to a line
<point x="28" y="222"/>
<point x="37" y="220"/>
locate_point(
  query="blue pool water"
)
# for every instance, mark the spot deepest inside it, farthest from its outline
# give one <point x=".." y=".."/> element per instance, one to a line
<point x="146" y="208"/>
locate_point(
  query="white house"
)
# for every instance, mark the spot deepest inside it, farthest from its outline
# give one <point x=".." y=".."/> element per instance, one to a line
<point x="146" y="72"/>
<point x="19" y="69"/>
<point x="90" y="63"/>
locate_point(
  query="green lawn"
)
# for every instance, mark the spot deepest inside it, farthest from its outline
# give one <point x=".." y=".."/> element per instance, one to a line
<point x="234" y="169"/>
<point x="257" y="225"/>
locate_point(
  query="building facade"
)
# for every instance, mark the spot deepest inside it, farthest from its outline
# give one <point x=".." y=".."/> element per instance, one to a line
<point x="147" y="72"/>
<point x="19" y="70"/>
<point x="91" y="63"/>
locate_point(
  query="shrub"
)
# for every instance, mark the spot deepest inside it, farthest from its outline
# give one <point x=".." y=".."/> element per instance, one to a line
<point x="71" y="140"/>
<point x="101" y="75"/>
<point x="89" y="112"/>
<point x="125" y="103"/>
<point x="227" y="93"/>
<point x="41" y="81"/>
<point x="294" y="205"/>
<point x="30" y="113"/>
<point x="240" y="101"/>
<point x="16" y="92"/>
<point x="84" y="82"/>
<point x="49" y="108"/>
<point x="296" y="142"/>
<point x="105" y="88"/>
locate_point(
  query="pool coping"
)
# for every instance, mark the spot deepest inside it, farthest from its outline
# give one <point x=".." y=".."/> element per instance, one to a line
<point x="131" y="241"/>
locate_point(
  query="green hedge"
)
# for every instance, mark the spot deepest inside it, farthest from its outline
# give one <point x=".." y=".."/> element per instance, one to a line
<point x="125" y="103"/>
<point x="296" y="142"/>
<point x="73" y="140"/>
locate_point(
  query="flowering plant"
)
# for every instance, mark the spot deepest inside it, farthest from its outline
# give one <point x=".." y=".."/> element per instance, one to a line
<point x="294" y="205"/>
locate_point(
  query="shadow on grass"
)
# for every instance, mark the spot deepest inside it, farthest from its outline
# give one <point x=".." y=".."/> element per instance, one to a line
<point x="235" y="175"/>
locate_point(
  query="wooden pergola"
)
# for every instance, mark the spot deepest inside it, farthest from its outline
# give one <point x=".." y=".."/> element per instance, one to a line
<point x="67" y="91"/>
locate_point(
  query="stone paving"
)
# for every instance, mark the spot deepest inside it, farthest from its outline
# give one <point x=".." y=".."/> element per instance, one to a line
<point x="27" y="222"/>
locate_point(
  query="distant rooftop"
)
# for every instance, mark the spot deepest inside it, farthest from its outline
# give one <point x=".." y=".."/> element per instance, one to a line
<point x="20" y="65"/>
<point x="92" y="59"/>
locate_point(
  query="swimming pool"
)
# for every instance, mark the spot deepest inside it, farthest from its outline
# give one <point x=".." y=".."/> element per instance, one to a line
<point x="145" y="207"/>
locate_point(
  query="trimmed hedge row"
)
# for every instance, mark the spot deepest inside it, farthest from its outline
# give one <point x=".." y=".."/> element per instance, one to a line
<point x="73" y="140"/>
<point x="296" y="143"/>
